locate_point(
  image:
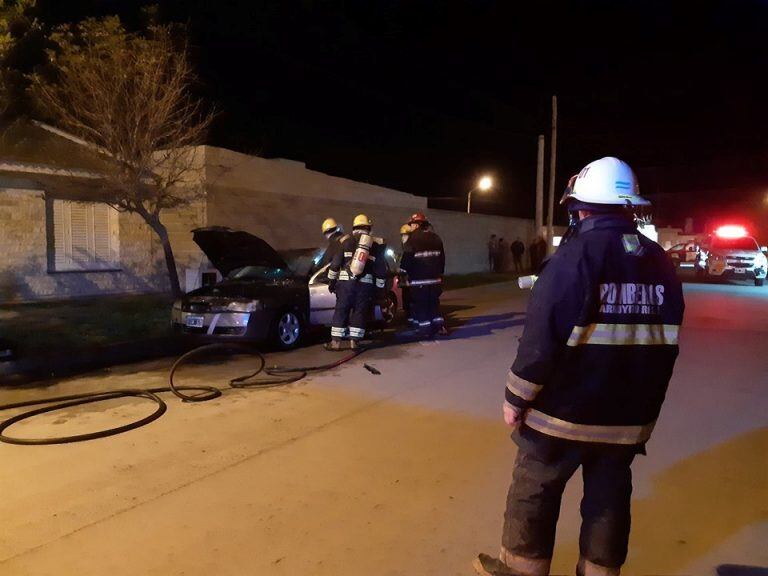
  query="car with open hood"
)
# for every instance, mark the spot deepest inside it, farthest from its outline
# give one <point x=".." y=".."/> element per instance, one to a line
<point x="265" y="294"/>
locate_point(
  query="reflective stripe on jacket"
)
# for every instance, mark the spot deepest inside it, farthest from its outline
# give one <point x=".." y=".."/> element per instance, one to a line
<point x="423" y="258"/>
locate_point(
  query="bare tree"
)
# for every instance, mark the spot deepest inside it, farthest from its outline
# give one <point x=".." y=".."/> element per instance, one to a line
<point x="128" y="95"/>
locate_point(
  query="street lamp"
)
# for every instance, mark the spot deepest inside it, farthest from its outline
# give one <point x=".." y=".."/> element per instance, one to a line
<point x="484" y="184"/>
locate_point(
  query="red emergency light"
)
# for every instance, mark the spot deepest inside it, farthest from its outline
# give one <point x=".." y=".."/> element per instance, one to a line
<point x="731" y="231"/>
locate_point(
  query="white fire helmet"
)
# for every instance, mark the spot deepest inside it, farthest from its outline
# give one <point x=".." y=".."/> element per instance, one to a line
<point x="607" y="181"/>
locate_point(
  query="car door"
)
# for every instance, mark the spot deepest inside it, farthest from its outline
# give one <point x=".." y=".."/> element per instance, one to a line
<point x="692" y="253"/>
<point x="675" y="251"/>
<point x="321" y="302"/>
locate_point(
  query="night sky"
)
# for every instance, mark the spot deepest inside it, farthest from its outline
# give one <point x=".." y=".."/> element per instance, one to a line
<point x="424" y="95"/>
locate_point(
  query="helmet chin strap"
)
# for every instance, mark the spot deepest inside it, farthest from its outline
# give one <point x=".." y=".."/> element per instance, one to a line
<point x="573" y="227"/>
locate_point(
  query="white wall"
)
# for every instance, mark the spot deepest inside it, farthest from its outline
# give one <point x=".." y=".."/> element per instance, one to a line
<point x="284" y="203"/>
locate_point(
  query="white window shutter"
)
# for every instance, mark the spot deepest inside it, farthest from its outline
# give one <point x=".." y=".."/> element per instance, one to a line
<point x="86" y="236"/>
<point x="62" y="237"/>
<point x="101" y="236"/>
<point x="114" y="237"/>
<point x="81" y="255"/>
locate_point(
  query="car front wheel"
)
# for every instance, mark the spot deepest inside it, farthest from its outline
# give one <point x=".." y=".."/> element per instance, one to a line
<point x="759" y="281"/>
<point x="389" y="309"/>
<point x="287" y="330"/>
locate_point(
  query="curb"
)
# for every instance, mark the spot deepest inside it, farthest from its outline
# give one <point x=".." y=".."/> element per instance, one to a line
<point x="25" y="370"/>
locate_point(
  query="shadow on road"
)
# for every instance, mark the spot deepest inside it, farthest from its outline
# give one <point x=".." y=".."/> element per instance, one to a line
<point x="696" y="505"/>
<point x="483" y="325"/>
<point x="739" y="570"/>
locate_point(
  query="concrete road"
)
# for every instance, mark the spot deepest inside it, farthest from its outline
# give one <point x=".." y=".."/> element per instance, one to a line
<point x="347" y="472"/>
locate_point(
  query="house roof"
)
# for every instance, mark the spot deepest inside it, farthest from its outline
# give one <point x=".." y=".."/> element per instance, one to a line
<point x="32" y="147"/>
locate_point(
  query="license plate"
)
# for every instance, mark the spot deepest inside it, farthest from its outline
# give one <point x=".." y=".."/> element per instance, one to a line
<point x="740" y="270"/>
<point x="194" y="322"/>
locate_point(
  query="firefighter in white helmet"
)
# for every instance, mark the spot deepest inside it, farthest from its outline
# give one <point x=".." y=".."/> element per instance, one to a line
<point x="357" y="273"/>
<point x="592" y="368"/>
<point x="334" y="233"/>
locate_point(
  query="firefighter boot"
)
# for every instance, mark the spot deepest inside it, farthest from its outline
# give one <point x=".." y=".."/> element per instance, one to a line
<point x="334" y="345"/>
<point x="486" y="565"/>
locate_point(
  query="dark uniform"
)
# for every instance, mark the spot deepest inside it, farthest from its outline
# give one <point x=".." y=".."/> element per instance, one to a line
<point x="424" y="262"/>
<point x="354" y="296"/>
<point x="591" y="372"/>
<point x="334" y="245"/>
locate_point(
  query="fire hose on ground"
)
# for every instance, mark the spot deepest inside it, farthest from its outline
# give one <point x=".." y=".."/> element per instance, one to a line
<point x="281" y="376"/>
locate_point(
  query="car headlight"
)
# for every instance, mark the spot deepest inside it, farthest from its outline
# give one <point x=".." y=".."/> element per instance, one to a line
<point x="243" y="306"/>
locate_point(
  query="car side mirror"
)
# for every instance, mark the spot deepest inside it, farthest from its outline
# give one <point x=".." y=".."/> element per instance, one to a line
<point x="764" y="248"/>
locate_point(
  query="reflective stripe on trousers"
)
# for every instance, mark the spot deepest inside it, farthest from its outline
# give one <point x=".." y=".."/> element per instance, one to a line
<point x="356" y="333"/>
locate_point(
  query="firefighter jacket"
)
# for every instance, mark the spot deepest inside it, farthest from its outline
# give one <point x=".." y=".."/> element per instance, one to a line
<point x="600" y="338"/>
<point x="334" y="245"/>
<point x="375" y="271"/>
<point x="423" y="258"/>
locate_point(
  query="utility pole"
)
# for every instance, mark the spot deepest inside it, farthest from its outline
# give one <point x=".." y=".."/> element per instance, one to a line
<point x="539" y="220"/>
<point x="552" y="165"/>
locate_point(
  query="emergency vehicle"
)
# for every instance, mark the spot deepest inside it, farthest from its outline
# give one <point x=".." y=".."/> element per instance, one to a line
<point x="731" y="253"/>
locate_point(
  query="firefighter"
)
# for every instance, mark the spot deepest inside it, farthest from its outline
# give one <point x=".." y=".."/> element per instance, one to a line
<point x="334" y="233"/>
<point x="358" y="271"/>
<point x="405" y="233"/>
<point x="424" y="262"/>
<point x="592" y="368"/>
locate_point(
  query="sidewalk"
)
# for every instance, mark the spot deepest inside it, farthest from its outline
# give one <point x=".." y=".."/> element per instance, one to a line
<point x="58" y="353"/>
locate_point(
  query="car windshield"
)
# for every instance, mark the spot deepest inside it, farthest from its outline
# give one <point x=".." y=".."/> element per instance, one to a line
<point x="258" y="273"/>
<point x="743" y="243"/>
<point x="302" y="261"/>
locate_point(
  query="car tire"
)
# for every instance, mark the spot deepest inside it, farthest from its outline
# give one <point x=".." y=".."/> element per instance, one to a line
<point x="287" y="329"/>
<point x="759" y="281"/>
<point x="389" y="312"/>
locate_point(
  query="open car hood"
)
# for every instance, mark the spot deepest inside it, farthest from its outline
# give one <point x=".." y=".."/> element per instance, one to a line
<point x="229" y="249"/>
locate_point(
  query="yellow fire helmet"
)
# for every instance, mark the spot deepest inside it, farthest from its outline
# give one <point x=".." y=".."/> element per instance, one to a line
<point x="329" y="224"/>
<point x="361" y="220"/>
<point x="405" y="229"/>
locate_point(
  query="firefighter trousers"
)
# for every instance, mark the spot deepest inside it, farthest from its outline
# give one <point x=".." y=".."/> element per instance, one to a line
<point x="425" y="306"/>
<point x="542" y="468"/>
<point x="353" y="306"/>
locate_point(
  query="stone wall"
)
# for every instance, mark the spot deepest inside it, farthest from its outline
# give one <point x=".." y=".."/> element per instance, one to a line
<point x="285" y="203"/>
<point x="287" y="221"/>
<point x="280" y="200"/>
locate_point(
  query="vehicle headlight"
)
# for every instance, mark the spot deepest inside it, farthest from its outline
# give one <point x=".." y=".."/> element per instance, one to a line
<point x="761" y="261"/>
<point x="243" y="306"/>
<point x="177" y="304"/>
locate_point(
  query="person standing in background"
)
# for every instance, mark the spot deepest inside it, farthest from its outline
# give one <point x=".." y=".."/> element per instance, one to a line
<point x="501" y="255"/>
<point x="518" y="249"/>
<point x="493" y="248"/>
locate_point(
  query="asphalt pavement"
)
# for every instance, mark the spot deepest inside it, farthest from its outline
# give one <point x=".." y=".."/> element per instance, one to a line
<point x="404" y="472"/>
